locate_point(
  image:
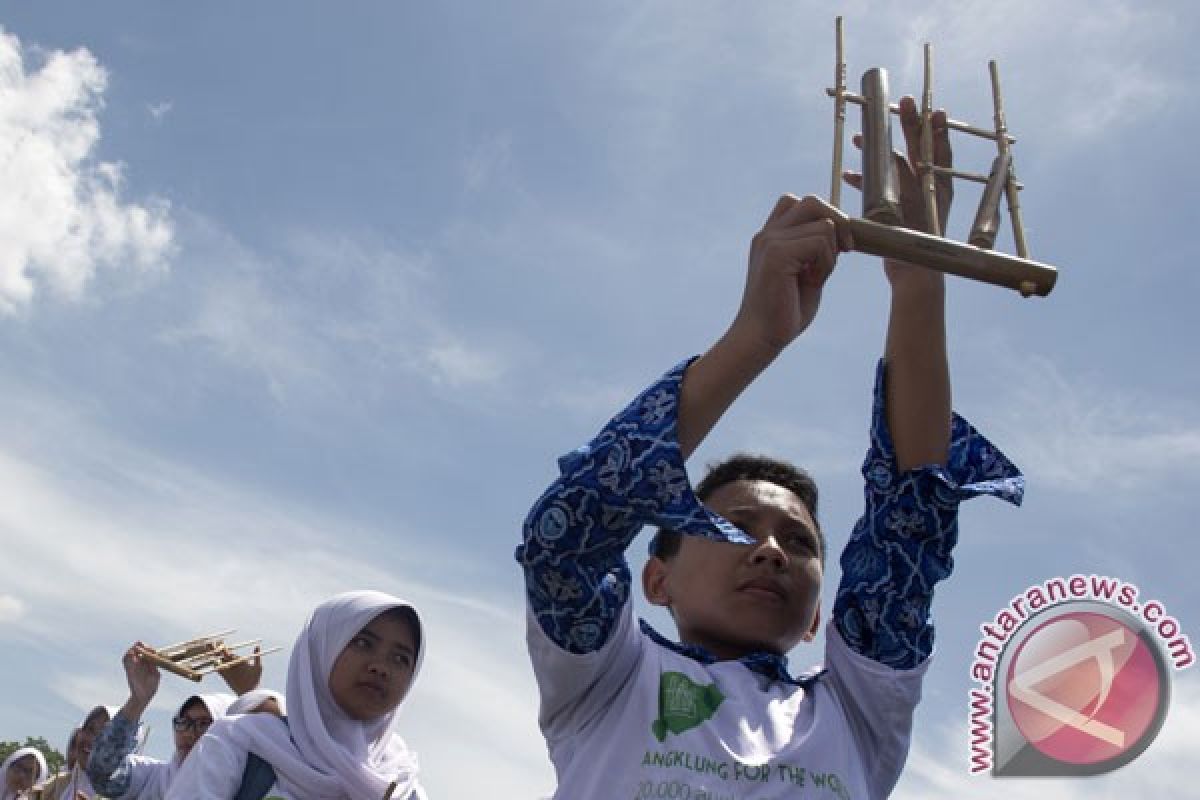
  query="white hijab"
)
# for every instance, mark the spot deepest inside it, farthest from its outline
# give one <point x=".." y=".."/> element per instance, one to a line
<point x="160" y="781"/>
<point x="253" y="699"/>
<point x="42" y="770"/>
<point x="321" y="753"/>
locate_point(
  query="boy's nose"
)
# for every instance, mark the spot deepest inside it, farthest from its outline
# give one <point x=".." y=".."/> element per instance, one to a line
<point x="768" y="551"/>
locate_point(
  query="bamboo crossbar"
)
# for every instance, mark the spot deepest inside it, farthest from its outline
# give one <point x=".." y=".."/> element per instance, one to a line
<point x="952" y="124"/>
<point x="956" y="258"/>
<point x="967" y="176"/>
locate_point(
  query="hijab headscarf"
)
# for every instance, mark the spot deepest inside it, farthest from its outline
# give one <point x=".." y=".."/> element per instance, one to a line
<point x="321" y="753"/>
<point x="255" y="698"/>
<point x="160" y="781"/>
<point x="42" y="770"/>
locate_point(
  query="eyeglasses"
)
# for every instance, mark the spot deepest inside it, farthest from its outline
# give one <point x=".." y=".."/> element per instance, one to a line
<point x="184" y="724"/>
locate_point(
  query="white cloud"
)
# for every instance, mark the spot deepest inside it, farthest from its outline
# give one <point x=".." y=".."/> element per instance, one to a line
<point x="160" y="110"/>
<point x="458" y="364"/>
<point x="11" y="608"/>
<point x="1069" y="432"/>
<point x="61" y="216"/>
<point x="326" y="304"/>
<point x="487" y="160"/>
<point x="937" y="765"/>
<point x="1087" y="63"/>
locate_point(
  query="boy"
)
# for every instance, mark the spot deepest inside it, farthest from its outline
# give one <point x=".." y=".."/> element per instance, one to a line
<point x="629" y="714"/>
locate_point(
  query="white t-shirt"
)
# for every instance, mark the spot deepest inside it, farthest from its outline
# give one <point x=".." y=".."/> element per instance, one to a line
<point x="638" y="721"/>
<point x="214" y="770"/>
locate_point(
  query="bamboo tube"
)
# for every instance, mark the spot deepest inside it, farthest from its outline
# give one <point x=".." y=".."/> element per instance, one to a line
<point x="987" y="216"/>
<point x="956" y="258"/>
<point x="928" y="184"/>
<point x="839" y="116"/>
<point x="881" y="199"/>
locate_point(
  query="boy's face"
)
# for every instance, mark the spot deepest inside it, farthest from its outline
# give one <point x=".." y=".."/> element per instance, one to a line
<point x="735" y="599"/>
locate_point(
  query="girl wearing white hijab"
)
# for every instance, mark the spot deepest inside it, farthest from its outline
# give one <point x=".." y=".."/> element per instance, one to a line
<point x="118" y="772"/>
<point x="114" y="768"/>
<point x="350" y="669"/>
<point x="20" y="771"/>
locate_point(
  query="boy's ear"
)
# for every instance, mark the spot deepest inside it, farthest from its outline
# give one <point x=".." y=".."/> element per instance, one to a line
<point x="816" y="624"/>
<point x="654" y="581"/>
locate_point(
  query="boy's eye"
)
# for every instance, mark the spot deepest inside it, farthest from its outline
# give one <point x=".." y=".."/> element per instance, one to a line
<point x="800" y="542"/>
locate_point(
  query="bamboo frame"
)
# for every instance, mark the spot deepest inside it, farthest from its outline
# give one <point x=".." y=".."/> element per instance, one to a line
<point x="1002" y="146"/>
<point x="925" y="166"/>
<point x="839" y="117"/>
<point x="878" y="232"/>
<point x="195" y="658"/>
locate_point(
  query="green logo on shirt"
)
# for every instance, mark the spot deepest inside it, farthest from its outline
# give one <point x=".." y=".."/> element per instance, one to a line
<point x="683" y="704"/>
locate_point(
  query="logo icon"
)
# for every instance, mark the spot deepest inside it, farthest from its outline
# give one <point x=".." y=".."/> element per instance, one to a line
<point x="1081" y="689"/>
<point x="683" y="704"/>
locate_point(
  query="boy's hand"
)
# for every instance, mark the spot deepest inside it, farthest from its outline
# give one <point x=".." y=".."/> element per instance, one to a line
<point x="912" y="199"/>
<point x="790" y="260"/>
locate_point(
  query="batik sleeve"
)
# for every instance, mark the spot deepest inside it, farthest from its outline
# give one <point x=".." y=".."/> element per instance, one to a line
<point x="902" y="545"/>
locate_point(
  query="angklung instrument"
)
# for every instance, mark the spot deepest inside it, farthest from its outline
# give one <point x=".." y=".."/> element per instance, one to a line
<point x="879" y="231"/>
<point x="195" y="658"/>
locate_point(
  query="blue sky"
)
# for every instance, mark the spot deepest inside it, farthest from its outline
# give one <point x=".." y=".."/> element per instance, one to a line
<point x="296" y="300"/>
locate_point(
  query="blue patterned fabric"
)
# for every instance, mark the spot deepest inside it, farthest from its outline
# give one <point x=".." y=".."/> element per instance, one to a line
<point x="108" y="767"/>
<point x="902" y="544"/>
<point x="632" y="474"/>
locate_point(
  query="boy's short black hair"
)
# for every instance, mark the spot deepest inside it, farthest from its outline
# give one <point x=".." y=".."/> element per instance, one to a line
<point x="746" y="467"/>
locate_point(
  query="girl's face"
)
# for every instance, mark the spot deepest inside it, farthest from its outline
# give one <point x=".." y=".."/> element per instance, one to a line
<point x="21" y="774"/>
<point x="189" y="726"/>
<point x="373" y="672"/>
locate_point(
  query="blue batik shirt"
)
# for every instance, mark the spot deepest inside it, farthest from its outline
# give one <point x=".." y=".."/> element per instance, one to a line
<point x="631" y="475"/>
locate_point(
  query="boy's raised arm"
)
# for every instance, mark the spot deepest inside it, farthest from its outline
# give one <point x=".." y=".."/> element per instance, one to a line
<point x="631" y="474"/>
<point x="790" y="260"/>
<point x="923" y="461"/>
<point x="918" y="372"/>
